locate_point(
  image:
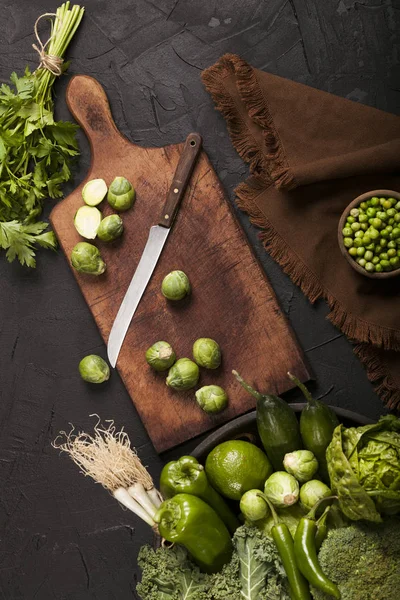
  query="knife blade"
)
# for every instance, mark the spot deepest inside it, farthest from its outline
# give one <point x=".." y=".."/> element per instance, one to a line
<point x="155" y="243"/>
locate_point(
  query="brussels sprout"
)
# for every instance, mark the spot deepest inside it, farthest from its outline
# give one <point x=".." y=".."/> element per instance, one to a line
<point x="94" y="369"/>
<point x="87" y="220"/>
<point x="160" y="356"/>
<point x="94" y="192"/>
<point x="253" y="506"/>
<point x="110" y="228"/>
<point x="282" y="489"/>
<point x="302" y="464"/>
<point x="183" y="375"/>
<point x="175" y="285"/>
<point x="207" y="353"/>
<point x="86" y="258"/>
<point x="212" y="399"/>
<point x="121" y="194"/>
<point x="312" y="491"/>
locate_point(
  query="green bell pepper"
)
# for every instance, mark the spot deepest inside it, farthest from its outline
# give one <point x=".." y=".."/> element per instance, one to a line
<point x="187" y="476"/>
<point x="188" y="520"/>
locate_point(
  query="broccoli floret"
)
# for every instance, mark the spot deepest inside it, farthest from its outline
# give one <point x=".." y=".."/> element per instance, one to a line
<point x="363" y="560"/>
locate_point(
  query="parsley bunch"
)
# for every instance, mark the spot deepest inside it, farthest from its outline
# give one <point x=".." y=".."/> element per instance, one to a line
<point x="35" y="150"/>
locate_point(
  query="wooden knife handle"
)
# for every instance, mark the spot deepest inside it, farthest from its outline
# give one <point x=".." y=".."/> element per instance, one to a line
<point x="187" y="161"/>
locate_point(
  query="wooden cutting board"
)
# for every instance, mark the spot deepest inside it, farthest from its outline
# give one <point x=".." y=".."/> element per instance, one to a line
<point x="232" y="301"/>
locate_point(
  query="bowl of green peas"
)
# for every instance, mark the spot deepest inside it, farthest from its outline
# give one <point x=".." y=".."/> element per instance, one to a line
<point x="369" y="234"/>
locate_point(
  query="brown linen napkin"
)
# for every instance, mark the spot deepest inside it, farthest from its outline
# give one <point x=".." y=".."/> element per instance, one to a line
<point x="310" y="154"/>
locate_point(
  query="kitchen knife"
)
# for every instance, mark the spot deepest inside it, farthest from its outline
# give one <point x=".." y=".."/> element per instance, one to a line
<point x="157" y="237"/>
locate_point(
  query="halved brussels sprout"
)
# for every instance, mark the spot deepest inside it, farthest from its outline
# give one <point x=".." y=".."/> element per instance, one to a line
<point x="212" y="398"/>
<point x="94" y="192"/>
<point x="207" y="353"/>
<point x="160" y="356"/>
<point x="94" y="369"/>
<point x="282" y="489"/>
<point x="110" y="228"/>
<point x="87" y="220"/>
<point x="183" y="375"/>
<point x="86" y="258"/>
<point x="175" y="285"/>
<point x="121" y="194"/>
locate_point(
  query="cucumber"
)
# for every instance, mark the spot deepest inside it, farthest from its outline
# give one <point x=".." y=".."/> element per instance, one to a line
<point x="317" y="424"/>
<point x="277" y="425"/>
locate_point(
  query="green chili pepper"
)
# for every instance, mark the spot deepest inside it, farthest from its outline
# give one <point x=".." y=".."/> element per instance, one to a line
<point x="299" y="589"/>
<point x="322" y="528"/>
<point x="187" y="476"/>
<point x="190" y="521"/>
<point x="306" y="553"/>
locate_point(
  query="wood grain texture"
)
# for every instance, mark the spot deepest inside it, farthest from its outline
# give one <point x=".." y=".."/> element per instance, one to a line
<point x="232" y="301"/>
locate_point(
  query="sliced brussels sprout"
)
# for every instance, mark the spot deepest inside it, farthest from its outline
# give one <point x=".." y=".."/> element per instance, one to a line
<point x="183" y="375"/>
<point x="212" y="398"/>
<point x="121" y="194"/>
<point x="175" y="285"/>
<point x="86" y="258"/>
<point x="94" y="369"/>
<point x="94" y="192"/>
<point x="160" y="356"/>
<point x="87" y="220"/>
<point x="207" y="353"/>
<point x="110" y="228"/>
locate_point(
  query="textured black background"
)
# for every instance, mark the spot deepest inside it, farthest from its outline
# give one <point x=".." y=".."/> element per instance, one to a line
<point x="63" y="537"/>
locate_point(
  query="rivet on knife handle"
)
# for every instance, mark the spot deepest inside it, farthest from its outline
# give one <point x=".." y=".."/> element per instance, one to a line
<point x="182" y="175"/>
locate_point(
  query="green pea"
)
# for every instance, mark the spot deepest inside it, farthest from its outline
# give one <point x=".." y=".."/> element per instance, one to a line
<point x="355" y="226"/>
<point x="391" y="252"/>
<point x="397" y="218"/>
<point x="370" y="220"/>
<point x="397" y="207"/>
<point x="385" y="233"/>
<point x="350" y="219"/>
<point x="371" y="212"/>
<point x="395" y="262"/>
<point x="391" y="212"/>
<point x="382" y="215"/>
<point x="373" y="233"/>
<point x="359" y="234"/>
<point x="364" y="205"/>
<point x="383" y="243"/>
<point x="374" y="201"/>
<point x="348" y="242"/>
<point x="352" y="251"/>
<point x="378" y="268"/>
<point x="366" y="240"/>
<point x="377" y="223"/>
<point x="363" y="218"/>
<point x="360" y="251"/>
<point x="364" y="226"/>
<point x="370" y="246"/>
<point x="395" y="233"/>
<point x="375" y="260"/>
<point x="382" y="201"/>
<point x="378" y="249"/>
<point x="387" y="204"/>
<point x="369" y="255"/>
<point x="389" y="228"/>
<point x="370" y="267"/>
<point x="354" y="212"/>
<point x="392" y="244"/>
<point x="391" y="221"/>
<point x="385" y="264"/>
<point x="383" y="256"/>
<point x="361" y="261"/>
<point x="347" y="231"/>
<point x="357" y="242"/>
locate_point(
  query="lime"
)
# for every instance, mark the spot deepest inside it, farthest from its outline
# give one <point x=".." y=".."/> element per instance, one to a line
<point x="234" y="467"/>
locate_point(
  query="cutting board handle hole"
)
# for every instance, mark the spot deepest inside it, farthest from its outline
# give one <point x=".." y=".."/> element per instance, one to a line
<point x="193" y="143"/>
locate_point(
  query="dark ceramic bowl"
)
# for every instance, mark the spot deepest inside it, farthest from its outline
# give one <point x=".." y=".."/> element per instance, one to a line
<point x="346" y="212"/>
<point x="245" y="427"/>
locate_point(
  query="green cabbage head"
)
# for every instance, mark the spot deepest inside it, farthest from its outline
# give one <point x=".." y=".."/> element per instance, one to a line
<point x="364" y="468"/>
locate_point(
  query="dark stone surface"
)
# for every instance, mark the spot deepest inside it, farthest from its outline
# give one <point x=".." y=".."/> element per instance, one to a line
<point x="62" y="537"/>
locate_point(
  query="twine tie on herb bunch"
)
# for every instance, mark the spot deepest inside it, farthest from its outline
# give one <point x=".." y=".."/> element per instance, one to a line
<point x="48" y="61"/>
